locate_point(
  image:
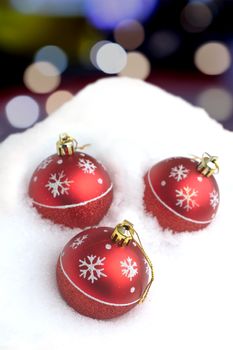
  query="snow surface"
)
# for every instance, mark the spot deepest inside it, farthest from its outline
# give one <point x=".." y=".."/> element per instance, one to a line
<point x="131" y="125"/>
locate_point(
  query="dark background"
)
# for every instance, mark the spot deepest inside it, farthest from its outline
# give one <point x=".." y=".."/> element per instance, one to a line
<point x="26" y="26"/>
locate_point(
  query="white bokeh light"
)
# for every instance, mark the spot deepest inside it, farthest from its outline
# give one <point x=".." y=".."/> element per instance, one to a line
<point x="212" y="58"/>
<point x="22" y="111"/>
<point x="217" y="102"/>
<point x="94" y="50"/>
<point x="111" y="58"/>
<point x="54" y="55"/>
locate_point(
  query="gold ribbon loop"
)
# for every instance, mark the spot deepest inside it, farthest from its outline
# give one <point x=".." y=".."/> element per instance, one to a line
<point x="123" y="234"/>
<point x="67" y="145"/>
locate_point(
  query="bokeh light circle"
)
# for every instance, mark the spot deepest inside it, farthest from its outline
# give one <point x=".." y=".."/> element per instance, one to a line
<point x="196" y="17"/>
<point x="106" y="14"/>
<point x="111" y="58"/>
<point x="138" y="66"/>
<point x="54" y="55"/>
<point x="22" y="111"/>
<point x="217" y="102"/>
<point x="42" y="77"/>
<point x="56" y="100"/>
<point x="163" y="43"/>
<point x="129" y="34"/>
<point x="94" y="51"/>
<point x="212" y="58"/>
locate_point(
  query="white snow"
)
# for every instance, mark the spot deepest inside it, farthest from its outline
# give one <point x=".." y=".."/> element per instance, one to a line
<point x="131" y="125"/>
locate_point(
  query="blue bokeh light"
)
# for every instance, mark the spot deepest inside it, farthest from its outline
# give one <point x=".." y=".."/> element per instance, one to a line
<point x="106" y="14"/>
<point x="49" y="7"/>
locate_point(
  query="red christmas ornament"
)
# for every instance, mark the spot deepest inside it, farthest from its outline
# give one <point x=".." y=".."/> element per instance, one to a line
<point x="182" y="193"/>
<point x="71" y="188"/>
<point x="103" y="272"/>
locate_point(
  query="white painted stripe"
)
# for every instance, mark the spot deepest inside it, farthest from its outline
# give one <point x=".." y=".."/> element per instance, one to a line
<point x="169" y="208"/>
<point x="89" y="296"/>
<point x="74" y="205"/>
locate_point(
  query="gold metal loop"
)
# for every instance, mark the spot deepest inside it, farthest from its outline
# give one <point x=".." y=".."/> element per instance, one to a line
<point x="67" y="145"/>
<point x="123" y="234"/>
<point x="208" y="165"/>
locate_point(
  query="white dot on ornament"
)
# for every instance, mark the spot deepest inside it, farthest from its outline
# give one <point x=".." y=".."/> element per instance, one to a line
<point x="199" y="179"/>
<point x="132" y="289"/>
<point x="35" y="178"/>
<point x="163" y="183"/>
<point x="105" y="230"/>
<point x="60" y="161"/>
<point x="82" y="154"/>
<point x="22" y="111"/>
<point x="100" y="181"/>
<point x="108" y="246"/>
<point x="134" y="244"/>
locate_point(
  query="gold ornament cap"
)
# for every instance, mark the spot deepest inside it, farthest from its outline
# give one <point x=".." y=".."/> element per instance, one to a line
<point x="208" y="165"/>
<point x="67" y="145"/>
<point x="123" y="234"/>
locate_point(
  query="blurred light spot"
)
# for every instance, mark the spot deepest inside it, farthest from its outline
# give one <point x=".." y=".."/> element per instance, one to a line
<point x="212" y="58"/>
<point x="56" y="100"/>
<point x="217" y="102"/>
<point x="41" y="77"/>
<point x="106" y="14"/>
<point x="94" y="51"/>
<point x="138" y="66"/>
<point x="129" y="34"/>
<point x="51" y="7"/>
<point x="196" y="17"/>
<point x="54" y="55"/>
<point x="163" y="43"/>
<point x="111" y="58"/>
<point x="22" y="111"/>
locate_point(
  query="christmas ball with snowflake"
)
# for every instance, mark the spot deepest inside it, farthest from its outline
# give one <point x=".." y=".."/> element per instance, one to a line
<point x="71" y="188"/>
<point x="104" y="272"/>
<point x="182" y="193"/>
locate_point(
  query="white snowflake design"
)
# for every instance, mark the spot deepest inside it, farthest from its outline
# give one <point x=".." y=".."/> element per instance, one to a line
<point x="179" y="172"/>
<point x="87" y="166"/>
<point x="78" y="241"/>
<point x="90" y="268"/>
<point x="58" y="184"/>
<point x="129" y="268"/>
<point x="147" y="267"/>
<point x="45" y="163"/>
<point x="214" y="200"/>
<point x="185" y="198"/>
